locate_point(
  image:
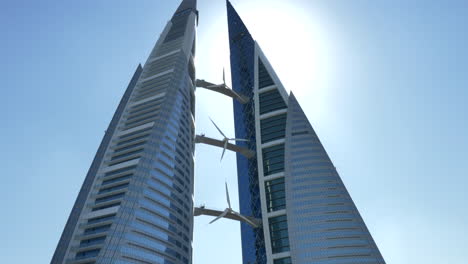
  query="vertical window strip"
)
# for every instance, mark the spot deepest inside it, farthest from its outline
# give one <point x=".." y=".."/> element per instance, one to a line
<point x="264" y="78"/>
<point x="271" y="101"/>
<point x="273" y="159"/>
<point x="273" y="128"/>
<point x="275" y="194"/>
<point x="279" y="234"/>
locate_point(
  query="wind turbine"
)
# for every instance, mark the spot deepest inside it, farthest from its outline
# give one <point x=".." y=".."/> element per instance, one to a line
<point x="226" y="139"/>
<point x="223" y="85"/>
<point x="229" y="88"/>
<point x="230" y="211"/>
<point x="222" y="88"/>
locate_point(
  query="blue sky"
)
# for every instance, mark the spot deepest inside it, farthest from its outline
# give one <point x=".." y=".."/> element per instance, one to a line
<point x="384" y="83"/>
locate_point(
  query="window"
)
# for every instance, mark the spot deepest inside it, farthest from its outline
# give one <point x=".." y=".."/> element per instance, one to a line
<point x="279" y="234"/>
<point x="123" y="161"/>
<point x="271" y="101"/>
<point x="147" y="111"/>
<point x="282" y="261"/>
<point x="98" y="229"/>
<point x="87" y="254"/>
<point x="300" y="133"/>
<point x="129" y="147"/>
<point x="130" y="140"/>
<point x="111" y="189"/>
<point x="121" y="178"/>
<point x="142" y="108"/>
<point x="141" y="120"/>
<point x="153" y="87"/>
<point x="128" y="154"/>
<point x="162" y="64"/>
<point x="105" y="206"/>
<point x="178" y="27"/>
<point x="109" y="198"/>
<point x="275" y="194"/>
<point x="264" y="79"/>
<point x="273" y="159"/>
<point x="92" y="241"/>
<point x="136" y="133"/>
<point x="114" y="172"/>
<point x="273" y="128"/>
<point x="101" y="219"/>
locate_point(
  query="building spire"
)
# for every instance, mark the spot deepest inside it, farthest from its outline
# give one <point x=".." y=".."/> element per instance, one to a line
<point x="236" y="26"/>
<point x="187" y="4"/>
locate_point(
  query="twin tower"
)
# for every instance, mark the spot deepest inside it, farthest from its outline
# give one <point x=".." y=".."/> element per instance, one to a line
<point x="135" y="205"/>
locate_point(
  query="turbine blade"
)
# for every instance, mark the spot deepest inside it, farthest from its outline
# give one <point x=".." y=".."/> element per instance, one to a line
<point x="221" y="132"/>
<point x="224" y="78"/>
<point x="220" y="216"/>
<point x="226" y="211"/>
<point x="214" y="220"/>
<point x="227" y="196"/>
<point x="224" y="150"/>
<point x="204" y="84"/>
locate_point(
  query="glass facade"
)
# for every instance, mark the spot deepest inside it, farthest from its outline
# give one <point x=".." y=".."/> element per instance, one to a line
<point x="273" y="159"/>
<point x="273" y="128"/>
<point x="271" y="101"/>
<point x="242" y="49"/>
<point x="66" y="237"/>
<point x="275" y="194"/>
<point x="136" y="206"/>
<point x="264" y="78"/>
<point x="308" y="216"/>
<point x="324" y="224"/>
<point x="282" y="261"/>
<point x="279" y="234"/>
<point x="136" y="203"/>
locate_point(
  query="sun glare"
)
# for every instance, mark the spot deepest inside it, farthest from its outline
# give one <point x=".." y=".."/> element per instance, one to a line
<point x="294" y="44"/>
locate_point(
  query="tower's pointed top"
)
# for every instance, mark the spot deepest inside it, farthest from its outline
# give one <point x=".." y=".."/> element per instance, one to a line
<point x="187" y="4"/>
<point x="185" y="7"/>
<point x="237" y="28"/>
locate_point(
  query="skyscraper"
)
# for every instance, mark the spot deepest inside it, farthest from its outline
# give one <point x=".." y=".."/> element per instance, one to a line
<point x="135" y="205"/>
<point x="291" y="184"/>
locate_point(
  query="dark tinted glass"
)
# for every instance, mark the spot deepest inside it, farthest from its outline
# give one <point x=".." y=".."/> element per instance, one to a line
<point x="273" y="159"/>
<point x="100" y="219"/>
<point x="98" y="229"/>
<point x="279" y="234"/>
<point x="178" y="27"/>
<point x="114" y="172"/>
<point x="242" y="48"/>
<point x="283" y="261"/>
<point x="92" y="241"/>
<point x="271" y="101"/>
<point x="273" y="128"/>
<point x="121" y="178"/>
<point x="114" y="188"/>
<point x="110" y="198"/>
<point x="264" y="79"/>
<point x="275" y="194"/>
<point x="87" y="254"/>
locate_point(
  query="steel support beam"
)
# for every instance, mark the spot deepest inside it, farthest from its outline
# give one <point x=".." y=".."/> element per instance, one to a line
<point x="219" y="143"/>
<point x="210" y="212"/>
<point x="222" y="89"/>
